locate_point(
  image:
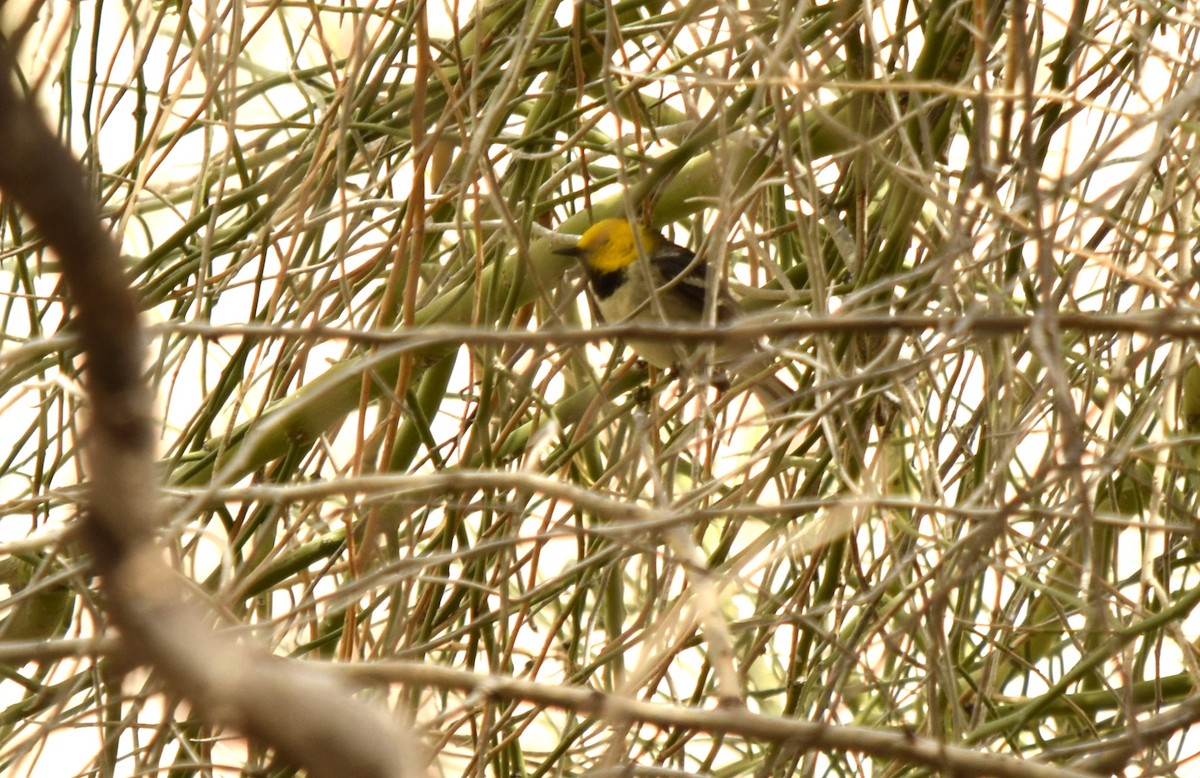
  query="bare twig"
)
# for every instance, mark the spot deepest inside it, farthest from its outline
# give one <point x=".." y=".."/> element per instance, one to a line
<point x="805" y="735"/>
<point x="302" y="711"/>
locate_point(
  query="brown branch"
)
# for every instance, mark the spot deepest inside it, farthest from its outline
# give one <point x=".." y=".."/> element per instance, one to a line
<point x="1162" y="324"/>
<point x="300" y="710"/>
<point x="803" y="735"/>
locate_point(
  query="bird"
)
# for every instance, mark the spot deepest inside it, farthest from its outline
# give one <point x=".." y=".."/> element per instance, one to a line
<point x="638" y="276"/>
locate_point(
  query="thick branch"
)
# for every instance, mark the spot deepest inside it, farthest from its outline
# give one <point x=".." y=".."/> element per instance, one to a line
<point x="302" y="712"/>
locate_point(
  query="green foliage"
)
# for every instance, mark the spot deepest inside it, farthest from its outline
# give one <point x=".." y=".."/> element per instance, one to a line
<point x="387" y="432"/>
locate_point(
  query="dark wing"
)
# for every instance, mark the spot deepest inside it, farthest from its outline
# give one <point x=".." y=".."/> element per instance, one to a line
<point x="681" y="271"/>
<point x="688" y="278"/>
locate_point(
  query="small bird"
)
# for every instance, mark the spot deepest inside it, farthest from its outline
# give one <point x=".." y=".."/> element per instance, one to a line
<point x="638" y="276"/>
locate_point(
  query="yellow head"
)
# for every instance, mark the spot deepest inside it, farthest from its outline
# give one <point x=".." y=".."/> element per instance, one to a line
<point x="612" y="244"/>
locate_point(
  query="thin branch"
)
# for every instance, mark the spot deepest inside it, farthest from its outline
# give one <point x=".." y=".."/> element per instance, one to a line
<point x="303" y="712"/>
<point x="804" y="735"/>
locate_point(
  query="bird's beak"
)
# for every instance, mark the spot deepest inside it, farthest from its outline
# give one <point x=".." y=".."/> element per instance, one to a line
<point x="569" y="251"/>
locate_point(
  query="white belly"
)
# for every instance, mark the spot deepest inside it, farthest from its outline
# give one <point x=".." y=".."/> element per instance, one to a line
<point x="662" y="351"/>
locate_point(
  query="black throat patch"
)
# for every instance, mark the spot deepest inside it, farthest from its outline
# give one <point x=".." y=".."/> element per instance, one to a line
<point x="605" y="284"/>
